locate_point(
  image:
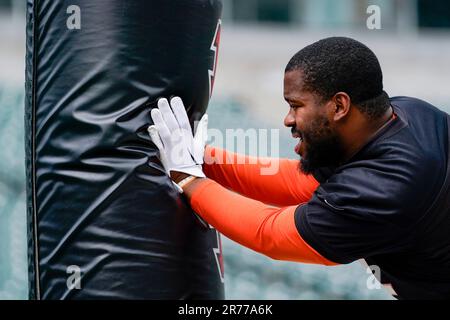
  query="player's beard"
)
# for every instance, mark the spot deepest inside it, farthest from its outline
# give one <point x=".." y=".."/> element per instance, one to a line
<point x="323" y="147"/>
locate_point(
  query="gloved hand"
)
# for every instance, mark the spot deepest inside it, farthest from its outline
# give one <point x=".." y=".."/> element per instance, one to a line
<point x="180" y="150"/>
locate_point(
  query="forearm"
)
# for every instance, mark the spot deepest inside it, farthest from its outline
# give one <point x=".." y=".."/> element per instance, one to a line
<point x="265" y="229"/>
<point x="270" y="180"/>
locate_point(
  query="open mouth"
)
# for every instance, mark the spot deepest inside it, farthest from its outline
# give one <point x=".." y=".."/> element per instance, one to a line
<point x="298" y="135"/>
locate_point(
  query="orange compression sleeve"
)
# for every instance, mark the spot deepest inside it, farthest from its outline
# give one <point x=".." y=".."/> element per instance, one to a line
<point x="265" y="229"/>
<point x="270" y="180"/>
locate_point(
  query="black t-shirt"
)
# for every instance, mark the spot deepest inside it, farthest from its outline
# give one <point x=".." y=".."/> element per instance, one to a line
<point x="390" y="204"/>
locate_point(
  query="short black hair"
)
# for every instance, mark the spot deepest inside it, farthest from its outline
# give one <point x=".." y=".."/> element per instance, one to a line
<point x="340" y="64"/>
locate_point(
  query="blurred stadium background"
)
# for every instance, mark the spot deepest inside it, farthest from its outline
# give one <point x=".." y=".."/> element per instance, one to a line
<point x="258" y="38"/>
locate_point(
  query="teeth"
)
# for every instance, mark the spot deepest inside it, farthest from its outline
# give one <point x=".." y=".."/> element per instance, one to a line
<point x="297" y="135"/>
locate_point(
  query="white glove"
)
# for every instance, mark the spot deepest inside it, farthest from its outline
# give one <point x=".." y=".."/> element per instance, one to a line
<point x="171" y="133"/>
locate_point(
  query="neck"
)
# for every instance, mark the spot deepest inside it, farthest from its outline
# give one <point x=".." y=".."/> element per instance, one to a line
<point x="358" y="136"/>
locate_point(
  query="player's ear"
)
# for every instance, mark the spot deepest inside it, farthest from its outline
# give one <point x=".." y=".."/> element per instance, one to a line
<point x="342" y="102"/>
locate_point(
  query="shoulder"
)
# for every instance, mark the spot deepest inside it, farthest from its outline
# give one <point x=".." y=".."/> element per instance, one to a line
<point x="396" y="184"/>
<point x="411" y="102"/>
<point x="418" y="112"/>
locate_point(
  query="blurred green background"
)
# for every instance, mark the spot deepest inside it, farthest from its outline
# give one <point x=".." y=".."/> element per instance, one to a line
<point x="258" y="38"/>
